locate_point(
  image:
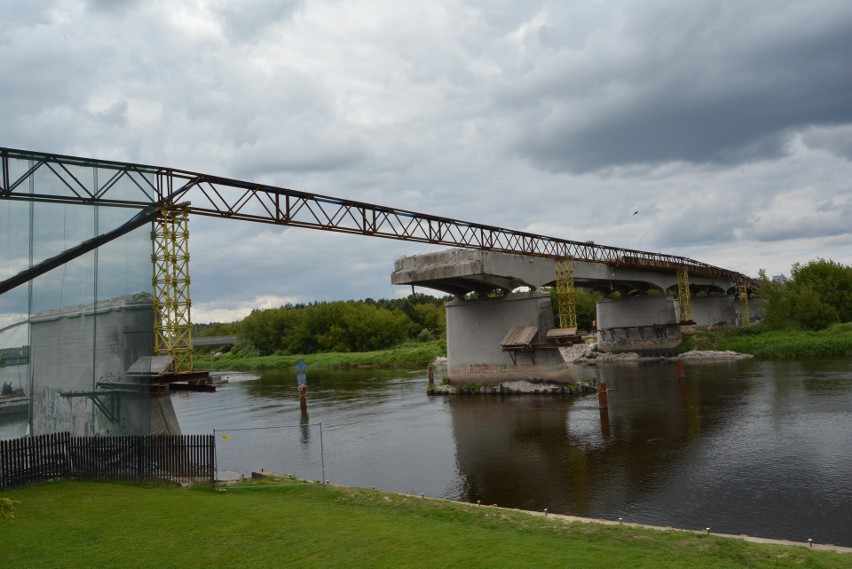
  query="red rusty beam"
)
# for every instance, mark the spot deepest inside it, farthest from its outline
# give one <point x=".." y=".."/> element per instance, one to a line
<point x="215" y="196"/>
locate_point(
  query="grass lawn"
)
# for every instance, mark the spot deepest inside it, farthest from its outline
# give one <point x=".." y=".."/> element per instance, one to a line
<point x="90" y="524"/>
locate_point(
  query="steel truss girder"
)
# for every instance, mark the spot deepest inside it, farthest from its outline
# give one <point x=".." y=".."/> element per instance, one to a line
<point x="214" y="196"/>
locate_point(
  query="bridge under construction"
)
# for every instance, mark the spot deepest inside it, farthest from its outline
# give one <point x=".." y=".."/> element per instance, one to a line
<point x="96" y="259"/>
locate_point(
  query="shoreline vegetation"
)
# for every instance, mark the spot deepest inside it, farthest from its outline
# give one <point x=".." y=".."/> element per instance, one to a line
<point x="291" y="523"/>
<point x="410" y="355"/>
<point x="764" y="343"/>
<point x="756" y="340"/>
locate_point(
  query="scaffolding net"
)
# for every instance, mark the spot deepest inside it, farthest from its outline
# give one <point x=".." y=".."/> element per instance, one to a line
<point x="70" y="336"/>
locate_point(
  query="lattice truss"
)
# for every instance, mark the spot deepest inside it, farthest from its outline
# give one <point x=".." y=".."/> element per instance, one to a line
<point x="566" y="298"/>
<point x="172" y="323"/>
<point x="215" y="196"/>
<point x="683" y="296"/>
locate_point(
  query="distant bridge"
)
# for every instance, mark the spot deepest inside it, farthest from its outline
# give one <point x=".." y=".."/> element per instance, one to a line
<point x="199" y="341"/>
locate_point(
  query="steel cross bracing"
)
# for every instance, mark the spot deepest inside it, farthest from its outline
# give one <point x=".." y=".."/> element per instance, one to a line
<point x="133" y="185"/>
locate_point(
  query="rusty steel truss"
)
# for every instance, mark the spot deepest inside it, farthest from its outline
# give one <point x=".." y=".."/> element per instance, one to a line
<point x="121" y="184"/>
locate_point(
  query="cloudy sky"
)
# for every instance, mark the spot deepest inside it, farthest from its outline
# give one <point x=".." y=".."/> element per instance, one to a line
<point x="727" y="125"/>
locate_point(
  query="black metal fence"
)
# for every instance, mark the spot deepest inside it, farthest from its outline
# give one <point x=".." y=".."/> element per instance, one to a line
<point x="172" y="458"/>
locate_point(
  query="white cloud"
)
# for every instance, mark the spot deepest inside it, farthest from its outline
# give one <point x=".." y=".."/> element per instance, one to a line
<point x="726" y="125"/>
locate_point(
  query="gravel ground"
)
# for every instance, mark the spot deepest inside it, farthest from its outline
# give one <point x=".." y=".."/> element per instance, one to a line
<point x="583" y="354"/>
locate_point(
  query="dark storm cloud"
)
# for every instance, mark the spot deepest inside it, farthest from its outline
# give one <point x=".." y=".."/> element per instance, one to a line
<point x="677" y="82"/>
<point x="243" y="21"/>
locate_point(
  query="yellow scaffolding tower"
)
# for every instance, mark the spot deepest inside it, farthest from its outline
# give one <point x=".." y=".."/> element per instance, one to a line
<point x="172" y="323"/>
<point x="745" y="316"/>
<point x="566" y="298"/>
<point x="683" y="296"/>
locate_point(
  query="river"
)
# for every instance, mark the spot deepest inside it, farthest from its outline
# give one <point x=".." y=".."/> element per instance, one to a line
<point x="748" y="447"/>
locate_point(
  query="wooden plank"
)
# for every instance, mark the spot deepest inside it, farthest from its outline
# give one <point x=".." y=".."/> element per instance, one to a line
<point x="519" y="337"/>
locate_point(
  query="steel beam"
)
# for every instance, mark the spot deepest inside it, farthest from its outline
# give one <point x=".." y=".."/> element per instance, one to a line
<point x="215" y="196"/>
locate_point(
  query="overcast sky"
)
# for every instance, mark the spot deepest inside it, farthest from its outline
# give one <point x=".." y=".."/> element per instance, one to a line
<point x="727" y="125"/>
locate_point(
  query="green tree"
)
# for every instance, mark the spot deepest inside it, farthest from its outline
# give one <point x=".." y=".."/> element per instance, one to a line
<point x="809" y="310"/>
<point x="831" y="283"/>
<point x="775" y="300"/>
<point x="818" y="294"/>
<point x="585" y="303"/>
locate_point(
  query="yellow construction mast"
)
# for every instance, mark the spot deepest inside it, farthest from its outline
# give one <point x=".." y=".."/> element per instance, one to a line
<point x="172" y="323"/>
<point x="745" y="316"/>
<point x="683" y="296"/>
<point x="566" y="298"/>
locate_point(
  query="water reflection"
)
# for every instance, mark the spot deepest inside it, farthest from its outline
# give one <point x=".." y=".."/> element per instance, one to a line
<point x="741" y="447"/>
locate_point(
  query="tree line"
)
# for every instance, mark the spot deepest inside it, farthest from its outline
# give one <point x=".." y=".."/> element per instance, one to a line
<point x="817" y="295"/>
<point x="353" y="325"/>
<point x="340" y="326"/>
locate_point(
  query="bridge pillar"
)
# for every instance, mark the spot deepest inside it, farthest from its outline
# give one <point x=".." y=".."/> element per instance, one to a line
<point x="643" y="324"/>
<point x="720" y="311"/>
<point x="476" y="328"/>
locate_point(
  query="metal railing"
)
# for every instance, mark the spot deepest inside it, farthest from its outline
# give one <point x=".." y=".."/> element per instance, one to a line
<point x="173" y="458"/>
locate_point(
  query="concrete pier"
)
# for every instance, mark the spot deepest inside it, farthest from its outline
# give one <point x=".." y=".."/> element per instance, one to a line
<point x="638" y="324"/>
<point x="718" y="311"/>
<point x="476" y="328"/>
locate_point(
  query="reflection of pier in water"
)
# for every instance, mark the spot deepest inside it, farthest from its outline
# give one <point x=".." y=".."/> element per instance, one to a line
<point x="523" y="451"/>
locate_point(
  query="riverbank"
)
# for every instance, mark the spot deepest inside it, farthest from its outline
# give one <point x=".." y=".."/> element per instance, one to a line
<point x="735" y="343"/>
<point x="405" y="356"/>
<point x="704" y="345"/>
<point x="288" y="524"/>
<point x="759" y="341"/>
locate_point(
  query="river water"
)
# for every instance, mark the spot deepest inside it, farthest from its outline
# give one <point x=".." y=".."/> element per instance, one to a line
<point x="757" y="448"/>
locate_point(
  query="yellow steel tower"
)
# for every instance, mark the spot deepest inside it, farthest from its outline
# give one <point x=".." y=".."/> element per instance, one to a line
<point x="566" y="298"/>
<point x="683" y="296"/>
<point x="745" y="316"/>
<point x="172" y="323"/>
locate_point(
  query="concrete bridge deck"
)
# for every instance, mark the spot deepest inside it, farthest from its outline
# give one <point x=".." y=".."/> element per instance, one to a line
<point x="460" y="271"/>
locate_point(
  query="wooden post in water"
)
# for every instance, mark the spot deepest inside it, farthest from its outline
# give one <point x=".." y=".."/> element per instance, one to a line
<point x="303" y="398"/>
<point x="602" y="401"/>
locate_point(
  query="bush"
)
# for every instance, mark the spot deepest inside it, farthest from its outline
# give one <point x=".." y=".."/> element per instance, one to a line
<point x="702" y="340"/>
<point x="244" y="349"/>
<point x="7" y="508"/>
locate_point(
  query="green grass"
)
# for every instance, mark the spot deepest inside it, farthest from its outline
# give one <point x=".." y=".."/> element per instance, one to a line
<point x="410" y="355"/>
<point x="835" y="341"/>
<point x="77" y="524"/>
